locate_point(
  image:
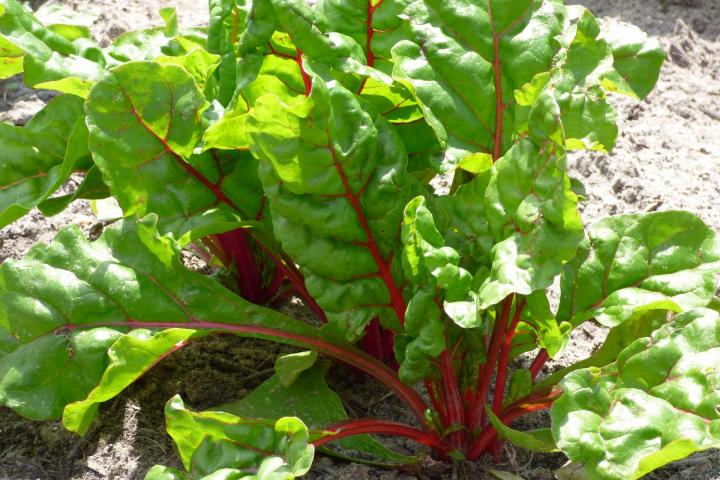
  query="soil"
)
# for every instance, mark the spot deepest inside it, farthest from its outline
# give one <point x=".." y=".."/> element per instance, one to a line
<point x="668" y="157"/>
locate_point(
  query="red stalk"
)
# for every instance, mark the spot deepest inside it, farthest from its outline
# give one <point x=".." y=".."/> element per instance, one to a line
<point x="388" y="339"/>
<point x="306" y="78"/>
<point x="348" y="355"/>
<point x="369" y="34"/>
<point x="538" y="363"/>
<point x="379" y="427"/>
<point x="502" y="370"/>
<point x="453" y="400"/>
<point x="477" y="412"/>
<point x="297" y="281"/>
<point x="372" y="342"/>
<point x="235" y="244"/>
<point x="499" y="105"/>
<point x="439" y="407"/>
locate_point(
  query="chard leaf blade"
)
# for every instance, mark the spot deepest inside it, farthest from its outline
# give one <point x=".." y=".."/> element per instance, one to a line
<point x="656" y="404"/>
<point x="633" y="263"/>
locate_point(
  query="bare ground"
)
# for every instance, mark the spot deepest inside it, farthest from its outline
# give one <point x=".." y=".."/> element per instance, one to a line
<point x="668" y="157"/>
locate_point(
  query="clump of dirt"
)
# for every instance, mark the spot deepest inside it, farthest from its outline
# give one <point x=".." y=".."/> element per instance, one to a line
<point x="668" y="157"/>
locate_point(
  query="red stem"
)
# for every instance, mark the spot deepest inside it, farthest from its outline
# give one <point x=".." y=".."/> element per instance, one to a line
<point x="372" y="342"/>
<point x="379" y="427"/>
<point x="274" y="287"/>
<point x="235" y="243"/>
<point x="306" y="78"/>
<point x="297" y="281"/>
<point x="499" y="105"/>
<point x="453" y="401"/>
<point x="483" y="389"/>
<point x="439" y="407"/>
<point x="505" y="359"/>
<point x="369" y="34"/>
<point x="538" y="363"/>
<point x="345" y="354"/>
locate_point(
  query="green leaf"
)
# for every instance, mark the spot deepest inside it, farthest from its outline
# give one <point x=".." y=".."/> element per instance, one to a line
<point x="310" y="399"/>
<point x="200" y="64"/>
<point x="50" y="60"/>
<point x="425" y="253"/>
<point x="289" y="367"/>
<point x="265" y="75"/>
<point x="656" y="404"/>
<point x="376" y="28"/>
<point x="37" y="159"/>
<point x="540" y="325"/>
<point x="540" y="440"/>
<point x="617" y="340"/>
<point x="92" y="187"/>
<point x="462" y="219"/>
<point x="130" y="357"/>
<point x="468" y="57"/>
<point x="630" y="264"/>
<point x="335" y="177"/>
<point x="422" y="339"/>
<point x="532" y="212"/>
<point x="145" y="147"/>
<point x="520" y="385"/>
<point x="66" y="303"/>
<point x="227" y="19"/>
<point x="169" y="16"/>
<point x="212" y="441"/>
<point x="588" y="119"/>
<point x="637" y="61"/>
<point x="65" y="21"/>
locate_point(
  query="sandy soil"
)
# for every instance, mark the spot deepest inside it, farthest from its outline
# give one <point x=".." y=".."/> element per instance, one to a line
<point x="668" y="157"/>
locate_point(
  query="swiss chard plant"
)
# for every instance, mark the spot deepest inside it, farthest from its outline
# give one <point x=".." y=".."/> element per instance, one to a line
<point x="296" y="147"/>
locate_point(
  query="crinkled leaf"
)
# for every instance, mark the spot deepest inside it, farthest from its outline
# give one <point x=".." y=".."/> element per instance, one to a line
<point x="37" y="159"/>
<point x="656" y="404"/>
<point x="633" y="263"/>
<point x="144" y="144"/>
<point x="462" y="219"/>
<point x="264" y="75"/>
<point x="533" y="215"/>
<point x="227" y="20"/>
<point x="335" y="177"/>
<point x="200" y="64"/>
<point x="211" y="441"/>
<point x="540" y="328"/>
<point x="50" y="60"/>
<point x="422" y="339"/>
<point x="616" y="341"/>
<point x="376" y="27"/>
<point x="66" y="303"/>
<point x="468" y="57"/>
